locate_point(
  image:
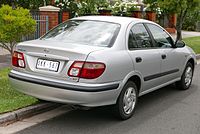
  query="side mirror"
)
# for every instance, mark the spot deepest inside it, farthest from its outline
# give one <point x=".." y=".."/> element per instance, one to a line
<point x="180" y="44"/>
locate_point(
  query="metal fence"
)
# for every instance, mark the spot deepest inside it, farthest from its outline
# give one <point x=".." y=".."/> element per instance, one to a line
<point x="41" y="28"/>
<point x="163" y="20"/>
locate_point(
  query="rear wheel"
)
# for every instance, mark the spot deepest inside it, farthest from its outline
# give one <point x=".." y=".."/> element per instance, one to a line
<point x="125" y="106"/>
<point x="186" y="78"/>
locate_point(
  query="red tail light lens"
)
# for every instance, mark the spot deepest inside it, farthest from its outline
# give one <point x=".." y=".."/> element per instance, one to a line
<point x="75" y="69"/>
<point x="18" y="59"/>
<point x="87" y="70"/>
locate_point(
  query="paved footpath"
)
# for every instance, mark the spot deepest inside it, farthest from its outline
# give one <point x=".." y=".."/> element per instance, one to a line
<point x="5" y="58"/>
<point x="187" y="34"/>
<point x="3" y="51"/>
<point x="190" y="34"/>
<point x="5" y="61"/>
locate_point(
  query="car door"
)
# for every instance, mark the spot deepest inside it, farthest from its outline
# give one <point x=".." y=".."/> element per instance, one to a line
<point x="146" y="59"/>
<point x="172" y="58"/>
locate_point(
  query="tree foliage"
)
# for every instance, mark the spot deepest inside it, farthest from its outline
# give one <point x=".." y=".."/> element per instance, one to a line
<point x="14" y="24"/>
<point x="29" y="4"/>
<point x="181" y="8"/>
<point x="81" y="7"/>
<point x="191" y="20"/>
<point x="152" y="5"/>
<point x="88" y="7"/>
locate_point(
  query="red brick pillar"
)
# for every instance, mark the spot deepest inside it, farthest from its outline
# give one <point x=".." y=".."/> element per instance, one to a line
<point x="52" y="13"/>
<point x="151" y="16"/>
<point x="52" y="2"/>
<point x="172" y="23"/>
<point x="172" y="20"/>
<point x="137" y="14"/>
<point x="105" y="12"/>
<point x="65" y="16"/>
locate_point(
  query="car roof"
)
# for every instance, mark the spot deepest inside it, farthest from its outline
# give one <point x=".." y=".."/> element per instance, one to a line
<point x="113" y="19"/>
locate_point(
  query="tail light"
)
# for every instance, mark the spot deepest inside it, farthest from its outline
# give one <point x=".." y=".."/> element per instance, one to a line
<point x="87" y="70"/>
<point x="18" y="59"/>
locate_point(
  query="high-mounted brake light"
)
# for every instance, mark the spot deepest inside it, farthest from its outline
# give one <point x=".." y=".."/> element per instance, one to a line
<point x="87" y="70"/>
<point x="18" y="59"/>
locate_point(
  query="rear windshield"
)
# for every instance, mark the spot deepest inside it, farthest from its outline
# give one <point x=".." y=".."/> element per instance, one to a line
<point x="85" y="32"/>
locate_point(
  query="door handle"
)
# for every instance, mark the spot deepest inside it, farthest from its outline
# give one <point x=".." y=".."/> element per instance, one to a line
<point x="164" y="56"/>
<point x="138" y="59"/>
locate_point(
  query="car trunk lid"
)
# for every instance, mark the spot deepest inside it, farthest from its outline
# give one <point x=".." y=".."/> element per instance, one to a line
<point x="37" y="51"/>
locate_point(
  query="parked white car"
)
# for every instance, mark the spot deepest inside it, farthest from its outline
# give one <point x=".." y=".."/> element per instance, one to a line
<point x="101" y="60"/>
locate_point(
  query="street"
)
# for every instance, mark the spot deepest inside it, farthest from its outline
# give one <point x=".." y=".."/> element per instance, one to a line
<point x="165" y="111"/>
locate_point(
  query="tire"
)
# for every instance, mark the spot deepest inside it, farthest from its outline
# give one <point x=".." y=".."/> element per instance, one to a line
<point x="127" y="100"/>
<point x="186" y="78"/>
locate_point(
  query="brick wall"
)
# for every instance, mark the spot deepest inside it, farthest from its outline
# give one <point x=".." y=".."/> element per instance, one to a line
<point x="65" y="16"/>
<point x="53" y="18"/>
<point x="52" y="13"/>
<point x="53" y="2"/>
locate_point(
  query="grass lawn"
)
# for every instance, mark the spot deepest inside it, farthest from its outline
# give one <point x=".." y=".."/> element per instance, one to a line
<point x="194" y="43"/>
<point x="10" y="99"/>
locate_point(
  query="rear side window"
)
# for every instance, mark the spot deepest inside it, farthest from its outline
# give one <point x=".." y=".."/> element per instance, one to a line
<point x="161" y="38"/>
<point x="139" y="37"/>
<point x="85" y="32"/>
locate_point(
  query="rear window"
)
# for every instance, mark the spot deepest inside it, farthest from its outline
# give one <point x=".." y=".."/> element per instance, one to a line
<point x="85" y="32"/>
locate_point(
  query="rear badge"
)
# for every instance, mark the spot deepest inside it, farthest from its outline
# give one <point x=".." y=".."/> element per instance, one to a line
<point x="46" y="50"/>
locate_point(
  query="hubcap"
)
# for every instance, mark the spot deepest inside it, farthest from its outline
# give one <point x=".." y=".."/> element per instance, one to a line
<point x="188" y="76"/>
<point x="129" y="100"/>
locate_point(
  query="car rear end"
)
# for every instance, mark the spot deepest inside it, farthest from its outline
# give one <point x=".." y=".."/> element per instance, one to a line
<point x="51" y="69"/>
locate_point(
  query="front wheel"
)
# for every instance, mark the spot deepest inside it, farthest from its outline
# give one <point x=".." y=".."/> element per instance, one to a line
<point x="186" y="78"/>
<point x="125" y="106"/>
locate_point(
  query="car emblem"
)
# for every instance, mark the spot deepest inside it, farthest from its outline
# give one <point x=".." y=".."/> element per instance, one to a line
<point x="46" y="50"/>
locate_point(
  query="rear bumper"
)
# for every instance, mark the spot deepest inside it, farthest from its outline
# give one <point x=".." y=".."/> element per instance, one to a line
<point x="79" y="93"/>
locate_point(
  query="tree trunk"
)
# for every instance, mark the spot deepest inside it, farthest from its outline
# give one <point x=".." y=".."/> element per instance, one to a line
<point x="179" y="24"/>
<point x="178" y="29"/>
<point x="8" y="47"/>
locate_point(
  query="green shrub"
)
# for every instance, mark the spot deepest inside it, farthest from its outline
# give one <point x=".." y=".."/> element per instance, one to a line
<point x="14" y="24"/>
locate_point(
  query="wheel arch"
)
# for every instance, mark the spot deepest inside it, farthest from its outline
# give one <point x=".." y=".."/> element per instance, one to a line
<point x="136" y="77"/>
<point x="137" y="80"/>
<point x="192" y="61"/>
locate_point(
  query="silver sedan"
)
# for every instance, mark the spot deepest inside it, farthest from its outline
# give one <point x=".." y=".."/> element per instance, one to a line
<point x="101" y="60"/>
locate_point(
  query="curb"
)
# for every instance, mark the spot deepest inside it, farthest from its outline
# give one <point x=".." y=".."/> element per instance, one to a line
<point x="11" y="117"/>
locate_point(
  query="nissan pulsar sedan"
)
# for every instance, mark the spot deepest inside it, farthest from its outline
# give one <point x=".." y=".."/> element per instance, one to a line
<point x="101" y="60"/>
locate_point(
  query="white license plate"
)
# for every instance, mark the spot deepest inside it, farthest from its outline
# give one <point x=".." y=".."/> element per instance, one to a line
<point x="47" y="65"/>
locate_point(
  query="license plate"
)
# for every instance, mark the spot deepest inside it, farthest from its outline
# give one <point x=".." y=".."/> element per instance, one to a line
<point x="47" y="65"/>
